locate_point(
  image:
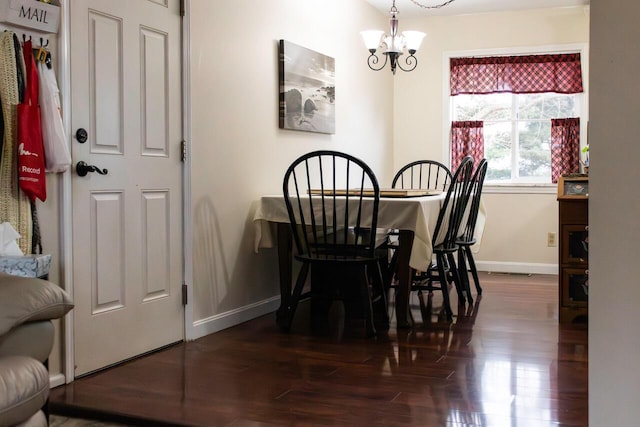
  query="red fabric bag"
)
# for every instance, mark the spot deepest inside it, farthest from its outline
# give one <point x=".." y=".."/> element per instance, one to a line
<point x="31" y="172"/>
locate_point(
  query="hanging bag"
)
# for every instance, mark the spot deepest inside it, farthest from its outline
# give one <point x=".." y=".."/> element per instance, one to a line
<point x="56" y="151"/>
<point x="31" y="163"/>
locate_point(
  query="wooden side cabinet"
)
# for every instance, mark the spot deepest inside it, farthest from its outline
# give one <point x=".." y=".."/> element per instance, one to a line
<point x="573" y="253"/>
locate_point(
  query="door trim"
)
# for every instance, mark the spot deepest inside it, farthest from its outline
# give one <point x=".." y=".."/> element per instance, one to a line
<point x="66" y="210"/>
<point x="189" y="328"/>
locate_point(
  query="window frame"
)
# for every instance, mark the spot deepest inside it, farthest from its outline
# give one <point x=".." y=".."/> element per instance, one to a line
<point x="521" y="187"/>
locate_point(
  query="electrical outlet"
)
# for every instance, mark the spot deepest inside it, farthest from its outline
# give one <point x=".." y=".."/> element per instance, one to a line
<point x="552" y="239"/>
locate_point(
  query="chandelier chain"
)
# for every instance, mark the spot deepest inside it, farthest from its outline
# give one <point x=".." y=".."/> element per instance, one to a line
<point x="437" y="6"/>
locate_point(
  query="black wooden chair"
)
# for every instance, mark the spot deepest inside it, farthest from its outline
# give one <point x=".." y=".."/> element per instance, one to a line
<point x="466" y="239"/>
<point x="423" y="175"/>
<point x="332" y="200"/>
<point x="417" y="175"/>
<point x="444" y="270"/>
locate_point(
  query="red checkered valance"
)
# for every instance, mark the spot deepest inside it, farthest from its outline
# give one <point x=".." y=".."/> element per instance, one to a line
<point x="559" y="73"/>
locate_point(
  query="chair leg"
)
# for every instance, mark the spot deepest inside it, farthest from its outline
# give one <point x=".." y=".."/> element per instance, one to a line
<point x="426" y="309"/>
<point x="444" y="286"/>
<point x="474" y="272"/>
<point x="323" y="293"/>
<point x="456" y="279"/>
<point x="464" y="274"/>
<point x="295" y="297"/>
<point x="366" y="301"/>
<point x="391" y="269"/>
<point x="379" y="295"/>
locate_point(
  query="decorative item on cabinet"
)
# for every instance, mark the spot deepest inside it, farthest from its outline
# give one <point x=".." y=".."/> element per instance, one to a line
<point x="585" y="162"/>
<point x="573" y="225"/>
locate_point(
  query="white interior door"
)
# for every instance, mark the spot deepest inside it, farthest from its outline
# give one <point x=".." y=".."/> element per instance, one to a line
<point x="127" y="224"/>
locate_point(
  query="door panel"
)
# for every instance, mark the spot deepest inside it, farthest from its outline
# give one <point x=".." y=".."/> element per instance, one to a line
<point x="127" y="224"/>
<point x="106" y="83"/>
<point x="107" y="245"/>
<point x="156" y="248"/>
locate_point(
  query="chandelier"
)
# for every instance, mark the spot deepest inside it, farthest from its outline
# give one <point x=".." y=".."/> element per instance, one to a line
<point x="395" y="45"/>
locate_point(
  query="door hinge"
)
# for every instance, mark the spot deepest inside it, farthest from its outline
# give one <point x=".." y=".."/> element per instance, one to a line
<point x="184" y="151"/>
<point x="184" y="293"/>
<point x="182" y="8"/>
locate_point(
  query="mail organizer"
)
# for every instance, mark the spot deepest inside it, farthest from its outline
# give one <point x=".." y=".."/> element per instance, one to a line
<point x="31" y="14"/>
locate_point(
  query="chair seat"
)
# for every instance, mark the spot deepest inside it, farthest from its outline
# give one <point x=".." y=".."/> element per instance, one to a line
<point x="336" y="259"/>
<point x="340" y="247"/>
<point x="470" y="242"/>
<point x="446" y="248"/>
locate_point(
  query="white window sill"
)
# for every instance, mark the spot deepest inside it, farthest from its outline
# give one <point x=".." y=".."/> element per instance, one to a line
<point x="520" y="188"/>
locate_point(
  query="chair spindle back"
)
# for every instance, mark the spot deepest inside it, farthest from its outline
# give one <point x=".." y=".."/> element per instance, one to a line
<point x="332" y="200"/>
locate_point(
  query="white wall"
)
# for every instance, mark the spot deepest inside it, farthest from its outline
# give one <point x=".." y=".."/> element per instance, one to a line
<point x="517" y="224"/>
<point x="238" y="151"/>
<point x="614" y="209"/>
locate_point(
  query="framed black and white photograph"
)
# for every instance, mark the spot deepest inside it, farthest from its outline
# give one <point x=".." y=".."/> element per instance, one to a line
<point x="307" y="89"/>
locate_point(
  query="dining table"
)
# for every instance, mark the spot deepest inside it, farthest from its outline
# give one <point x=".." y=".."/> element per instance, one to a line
<point x="414" y="217"/>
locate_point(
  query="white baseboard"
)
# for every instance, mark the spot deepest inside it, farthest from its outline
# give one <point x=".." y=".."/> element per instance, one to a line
<point x="234" y="317"/>
<point x="231" y="318"/>
<point x="517" y="267"/>
<point x="56" y="380"/>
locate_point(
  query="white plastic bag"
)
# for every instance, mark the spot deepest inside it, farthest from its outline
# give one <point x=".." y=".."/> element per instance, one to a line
<point x="56" y="151"/>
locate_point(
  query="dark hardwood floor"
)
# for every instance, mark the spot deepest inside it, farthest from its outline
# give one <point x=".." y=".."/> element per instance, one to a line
<point x="504" y="362"/>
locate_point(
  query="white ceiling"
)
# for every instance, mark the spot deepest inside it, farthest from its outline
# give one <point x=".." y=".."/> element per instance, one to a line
<point x="407" y="8"/>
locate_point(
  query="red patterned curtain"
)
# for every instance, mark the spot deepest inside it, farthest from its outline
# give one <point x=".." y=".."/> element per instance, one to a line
<point x="467" y="139"/>
<point x="565" y="147"/>
<point x="560" y="73"/>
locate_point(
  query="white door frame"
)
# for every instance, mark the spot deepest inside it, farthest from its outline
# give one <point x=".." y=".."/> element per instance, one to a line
<point x="190" y="330"/>
<point x="65" y="209"/>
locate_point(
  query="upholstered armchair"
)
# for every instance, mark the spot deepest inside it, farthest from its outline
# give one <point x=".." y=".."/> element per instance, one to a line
<point x="27" y="306"/>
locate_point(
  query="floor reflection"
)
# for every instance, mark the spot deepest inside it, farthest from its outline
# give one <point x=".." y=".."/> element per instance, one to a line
<point x="460" y="400"/>
<point x="473" y="378"/>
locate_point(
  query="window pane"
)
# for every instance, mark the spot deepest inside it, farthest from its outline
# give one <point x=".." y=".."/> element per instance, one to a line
<point x="495" y="106"/>
<point x="544" y="106"/>
<point x="534" y="154"/>
<point x="497" y="149"/>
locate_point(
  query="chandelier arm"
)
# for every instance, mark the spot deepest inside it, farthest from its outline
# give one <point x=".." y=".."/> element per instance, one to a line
<point x="410" y="61"/>
<point x="437" y="6"/>
<point x="373" y="60"/>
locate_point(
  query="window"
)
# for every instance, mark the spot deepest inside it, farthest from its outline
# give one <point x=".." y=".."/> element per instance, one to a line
<point x="512" y="101"/>
<point x="517" y="131"/>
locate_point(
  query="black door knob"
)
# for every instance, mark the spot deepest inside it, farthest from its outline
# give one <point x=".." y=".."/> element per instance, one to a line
<point x="82" y="135"/>
<point x="82" y="169"/>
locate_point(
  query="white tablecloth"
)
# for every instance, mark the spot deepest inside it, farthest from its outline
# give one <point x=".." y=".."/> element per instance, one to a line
<point x="418" y="214"/>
